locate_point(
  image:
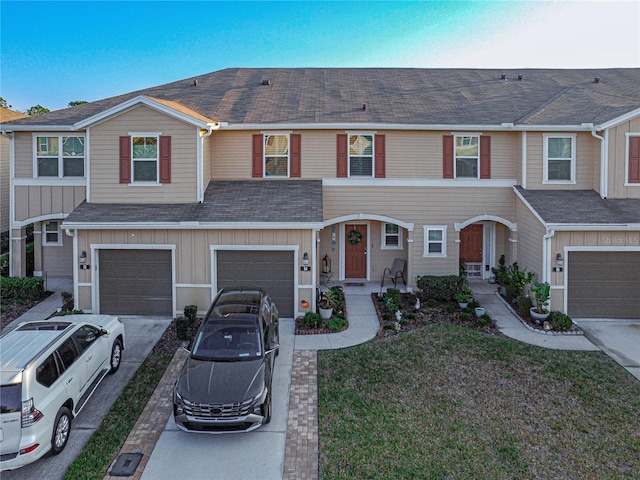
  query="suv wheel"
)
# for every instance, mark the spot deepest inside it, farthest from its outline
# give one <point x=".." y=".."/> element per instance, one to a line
<point x="116" y="356"/>
<point x="61" y="430"/>
<point x="265" y="409"/>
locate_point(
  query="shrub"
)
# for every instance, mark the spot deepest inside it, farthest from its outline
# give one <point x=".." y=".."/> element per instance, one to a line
<point x="336" y="294"/>
<point x="74" y="312"/>
<point x="4" y="265"/>
<point x="524" y="304"/>
<point x="67" y="301"/>
<point x="392" y="300"/>
<point x="560" y="321"/>
<point x="29" y="260"/>
<point x="484" y="321"/>
<point x="465" y="317"/>
<point x="431" y="303"/>
<point x="410" y="316"/>
<point x="336" y="323"/>
<point x="182" y="328"/>
<point x="451" y="307"/>
<point x="442" y="288"/>
<point x="23" y="289"/>
<point x="312" y="320"/>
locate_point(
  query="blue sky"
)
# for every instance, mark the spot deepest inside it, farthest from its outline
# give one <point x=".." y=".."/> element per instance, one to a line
<point x="55" y="52"/>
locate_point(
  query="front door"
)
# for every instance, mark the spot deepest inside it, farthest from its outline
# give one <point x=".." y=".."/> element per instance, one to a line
<point x="355" y="251"/>
<point x="471" y="249"/>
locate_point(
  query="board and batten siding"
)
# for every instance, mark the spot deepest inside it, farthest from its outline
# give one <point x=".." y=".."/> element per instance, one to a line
<point x="105" y="159"/>
<point x="617" y="172"/>
<point x="34" y="201"/>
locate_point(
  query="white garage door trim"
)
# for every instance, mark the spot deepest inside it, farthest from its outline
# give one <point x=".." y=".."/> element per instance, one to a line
<point x="95" y="284"/>
<point x="291" y="248"/>
<point x="588" y="248"/>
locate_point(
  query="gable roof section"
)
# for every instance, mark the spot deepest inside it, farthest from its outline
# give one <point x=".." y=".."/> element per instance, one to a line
<point x="227" y="204"/>
<point x="393" y="96"/>
<point x="7" y="115"/>
<point x="581" y="207"/>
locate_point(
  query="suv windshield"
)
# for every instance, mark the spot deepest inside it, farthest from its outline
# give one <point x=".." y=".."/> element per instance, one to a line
<point x="229" y="338"/>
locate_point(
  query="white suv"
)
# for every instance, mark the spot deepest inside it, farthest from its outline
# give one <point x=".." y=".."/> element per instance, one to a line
<point x="48" y="371"/>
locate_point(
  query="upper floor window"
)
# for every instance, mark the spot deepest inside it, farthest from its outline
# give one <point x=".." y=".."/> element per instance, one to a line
<point x="51" y="234"/>
<point x="559" y="158"/>
<point x="391" y="236"/>
<point x="467" y="156"/>
<point x="145" y="157"/>
<point x="276" y="155"/>
<point x="435" y="241"/>
<point x="59" y="156"/>
<point x="360" y="155"/>
<point x="633" y="159"/>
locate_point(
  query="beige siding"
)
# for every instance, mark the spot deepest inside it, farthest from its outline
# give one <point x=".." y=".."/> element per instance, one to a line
<point x="57" y="261"/>
<point x="4" y="183"/>
<point x="35" y="201"/>
<point x="617" y="172"/>
<point x="530" y="233"/>
<point x="23" y="155"/>
<point x="587" y="163"/>
<point x="408" y="154"/>
<point x="104" y="150"/>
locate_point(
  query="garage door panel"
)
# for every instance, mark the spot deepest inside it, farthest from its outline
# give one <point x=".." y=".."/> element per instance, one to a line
<point x="271" y="270"/>
<point x="603" y="284"/>
<point x="135" y="282"/>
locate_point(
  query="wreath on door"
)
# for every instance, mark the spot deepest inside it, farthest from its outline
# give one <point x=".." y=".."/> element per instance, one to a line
<point x="354" y="237"/>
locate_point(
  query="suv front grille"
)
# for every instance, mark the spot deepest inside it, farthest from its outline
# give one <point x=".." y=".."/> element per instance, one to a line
<point x="218" y="410"/>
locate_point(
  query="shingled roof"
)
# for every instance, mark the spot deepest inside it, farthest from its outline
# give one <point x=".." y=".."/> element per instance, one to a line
<point x="391" y="95"/>
<point x="581" y="207"/>
<point x="241" y="201"/>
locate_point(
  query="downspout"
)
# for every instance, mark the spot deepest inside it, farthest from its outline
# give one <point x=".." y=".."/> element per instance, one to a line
<point x="524" y="159"/>
<point x="200" y="162"/>
<point x="604" y="162"/>
<point x="546" y="258"/>
<point x="12" y="213"/>
<point x="74" y="234"/>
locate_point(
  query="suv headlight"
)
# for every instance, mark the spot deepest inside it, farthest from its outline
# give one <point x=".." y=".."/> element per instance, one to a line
<point x="178" y="403"/>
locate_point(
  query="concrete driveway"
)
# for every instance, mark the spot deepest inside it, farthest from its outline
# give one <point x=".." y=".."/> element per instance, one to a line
<point x="620" y="339"/>
<point x="141" y="334"/>
<point x="255" y="455"/>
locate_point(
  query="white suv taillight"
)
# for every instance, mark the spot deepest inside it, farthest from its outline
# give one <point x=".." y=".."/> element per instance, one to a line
<point x="30" y="415"/>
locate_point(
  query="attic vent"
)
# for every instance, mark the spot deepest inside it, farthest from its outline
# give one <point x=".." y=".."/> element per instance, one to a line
<point x="520" y="77"/>
<point x="266" y="82"/>
<point x="596" y="80"/>
<point x="195" y="83"/>
<point x="503" y="77"/>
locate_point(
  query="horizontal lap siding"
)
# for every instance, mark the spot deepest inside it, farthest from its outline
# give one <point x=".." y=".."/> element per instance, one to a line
<point x="231" y="155"/>
<point x="105" y="177"/>
<point x="529" y="246"/>
<point x="23" y="144"/>
<point x="57" y="260"/>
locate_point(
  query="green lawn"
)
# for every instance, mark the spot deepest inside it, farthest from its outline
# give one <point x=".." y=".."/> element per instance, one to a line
<point x="449" y="402"/>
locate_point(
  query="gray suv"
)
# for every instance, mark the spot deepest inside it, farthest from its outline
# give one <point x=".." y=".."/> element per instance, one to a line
<point x="225" y="384"/>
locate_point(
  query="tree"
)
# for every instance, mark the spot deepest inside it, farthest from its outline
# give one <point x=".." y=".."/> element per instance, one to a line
<point x="37" y="110"/>
<point x="3" y="103"/>
<point x="77" y="102"/>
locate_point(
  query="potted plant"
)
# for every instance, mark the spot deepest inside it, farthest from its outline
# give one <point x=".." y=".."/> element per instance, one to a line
<point x="325" y="306"/>
<point x="463" y="297"/>
<point x="480" y="311"/>
<point x="541" y="292"/>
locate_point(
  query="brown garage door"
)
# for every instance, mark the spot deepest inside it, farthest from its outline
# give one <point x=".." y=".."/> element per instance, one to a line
<point x="603" y="284"/>
<point x="135" y="282"/>
<point x="271" y="270"/>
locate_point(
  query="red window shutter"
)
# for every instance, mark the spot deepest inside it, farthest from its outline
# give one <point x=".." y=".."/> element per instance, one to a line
<point x="342" y="155"/>
<point x="447" y="156"/>
<point x="485" y="156"/>
<point x="634" y="159"/>
<point x="257" y="156"/>
<point x="295" y="155"/>
<point x="125" y="159"/>
<point x="165" y="159"/>
<point x="380" y="156"/>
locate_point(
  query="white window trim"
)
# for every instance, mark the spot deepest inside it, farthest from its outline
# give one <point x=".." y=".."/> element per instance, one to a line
<point x="455" y="157"/>
<point x="134" y="182"/>
<point x="545" y="163"/>
<point x="627" y="183"/>
<point x="59" y="136"/>
<point x="425" y="251"/>
<point x="45" y="243"/>
<point x="264" y="154"/>
<point x="373" y="154"/>
<point x="384" y="234"/>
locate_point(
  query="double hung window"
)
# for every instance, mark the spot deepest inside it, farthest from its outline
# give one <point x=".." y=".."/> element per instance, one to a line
<point x="435" y="241"/>
<point x="51" y="234"/>
<point x="467" y="156"/>
<point x="559" y="158"/>
<point x="361" y="155"/>
<point x="145" y="157"/>
<point x="59" y="156"/>
<point x="276" y="155"/>
<point x="391" y="236"/>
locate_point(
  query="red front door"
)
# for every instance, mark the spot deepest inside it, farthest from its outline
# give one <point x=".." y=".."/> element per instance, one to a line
<point x="471" y="243"/>
<point x="355" y="251"/>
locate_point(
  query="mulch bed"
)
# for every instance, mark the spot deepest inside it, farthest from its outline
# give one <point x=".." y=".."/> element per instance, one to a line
<point x="302" y="330"/>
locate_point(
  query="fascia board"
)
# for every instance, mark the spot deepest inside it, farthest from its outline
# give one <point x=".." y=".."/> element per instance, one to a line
<point x="39" y="128"/>
<point x="416" y="182"/>
<point x="618" y="120"/>
<point x="140" y="100"/>
<point x="398" y="126"/>
<point x="573" y="227"/>
<point x="194" y="226"/>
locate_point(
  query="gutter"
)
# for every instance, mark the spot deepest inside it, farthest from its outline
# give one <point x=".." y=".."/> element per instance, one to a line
<point x="604" y="161"/>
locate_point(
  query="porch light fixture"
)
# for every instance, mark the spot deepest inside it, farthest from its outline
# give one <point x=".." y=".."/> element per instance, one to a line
<point x="559" y="259"/>
<point x="83" y="256"/>
<point x="305" y="258"/>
